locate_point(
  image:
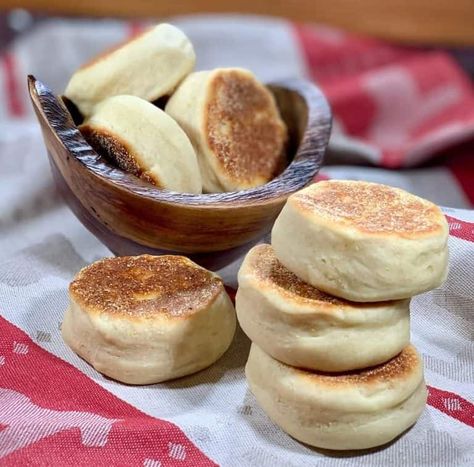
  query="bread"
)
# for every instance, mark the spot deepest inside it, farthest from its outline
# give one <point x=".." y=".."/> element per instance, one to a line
<point x="297" y="324"/>
<point x="362" y="241"/>
<point x="147" y="319"/>
<point x="145" y="141"/>
<point x="234" y="125"/>
<point x="356" y="410"/>
<point x="147" y="66"/>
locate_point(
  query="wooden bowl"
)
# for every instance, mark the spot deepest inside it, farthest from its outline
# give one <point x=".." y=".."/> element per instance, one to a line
<point x="132" y="217"/>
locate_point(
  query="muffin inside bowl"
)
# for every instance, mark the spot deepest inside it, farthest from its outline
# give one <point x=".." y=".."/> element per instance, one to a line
<point x="132" y="217"/>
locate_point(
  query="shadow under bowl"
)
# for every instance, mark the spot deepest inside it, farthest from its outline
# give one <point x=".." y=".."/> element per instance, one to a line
<point x="132" y="217"/>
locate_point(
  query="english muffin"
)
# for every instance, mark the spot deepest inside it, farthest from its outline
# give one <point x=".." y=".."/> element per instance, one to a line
<point x="299" y="325"/>
<point x="148" y="66"/>
<point x="362" y="241"/>
<point x="234" y="125"/>
<point x="142" y="139"/>
<point x="355" y="410"/>
<point x="146" y="319"/>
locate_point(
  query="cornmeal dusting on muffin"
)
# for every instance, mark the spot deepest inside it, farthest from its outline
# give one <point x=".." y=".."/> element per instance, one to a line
<point x="144" y="286"/>
<point x="397" y="368"/>
<point x="270" y="271"/>
<point x="371" y="207"/>
<point x="244" y="129"/>
<point x="273" y="274"/>
<point x="117" y="151"/>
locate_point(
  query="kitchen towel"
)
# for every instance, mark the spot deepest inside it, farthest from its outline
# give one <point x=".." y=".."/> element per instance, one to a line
<point x="395" y="107"/>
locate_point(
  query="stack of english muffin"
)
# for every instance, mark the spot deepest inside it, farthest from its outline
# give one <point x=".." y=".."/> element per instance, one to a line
<point x="327" y="309"/>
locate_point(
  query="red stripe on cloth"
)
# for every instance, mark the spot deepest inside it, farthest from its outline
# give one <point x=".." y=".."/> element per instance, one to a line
<point x="231" y="292"/>
<point x="134" y="29"/>
<point x="332" y="55"/>
<point x="335" y="60"/>
<point x="461" y="163"/>
<point x="392" y="159"/>
<point x="409" y="103"/>
<point x="461" y="229"/>
<point x="53" y="414"/>
<point x="11" y="86"/>
<point x="451" y="404"/>
<point x="320" y="177"/>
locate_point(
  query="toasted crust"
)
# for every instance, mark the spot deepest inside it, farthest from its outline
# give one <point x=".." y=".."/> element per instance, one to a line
<point x="145" y="287"/>
<point x="398" y="369"/>
<point x="142" y="139"/>
<point x="262" y="263"/>
<point x="243" y="128"/>
<point x="370" y="208"/>
<point x="118" y="151"/>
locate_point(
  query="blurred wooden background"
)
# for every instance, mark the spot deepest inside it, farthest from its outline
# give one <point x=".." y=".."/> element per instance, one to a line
<point x="447" y="22"/>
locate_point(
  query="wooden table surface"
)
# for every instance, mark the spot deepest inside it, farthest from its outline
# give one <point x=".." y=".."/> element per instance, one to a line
<point x="415" y="21"/>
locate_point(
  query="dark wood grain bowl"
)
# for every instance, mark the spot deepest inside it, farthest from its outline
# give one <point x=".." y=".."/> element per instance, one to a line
<point x="132" y="217"/>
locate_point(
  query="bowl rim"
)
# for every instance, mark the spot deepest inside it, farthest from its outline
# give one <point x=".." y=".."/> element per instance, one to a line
<point x="301" y="170"/>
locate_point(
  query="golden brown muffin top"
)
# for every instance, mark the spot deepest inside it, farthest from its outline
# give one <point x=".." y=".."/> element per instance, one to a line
<point x="145" y="287"/>
<point x="371" y="208"/>
<point x="398" y="368"/>
<point x="272" y="275"/>
<point x="244" y="129"/>
<point x="116" y="150"/>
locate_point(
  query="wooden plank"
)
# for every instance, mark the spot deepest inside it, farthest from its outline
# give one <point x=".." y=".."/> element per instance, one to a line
<point x="417" y="21"/>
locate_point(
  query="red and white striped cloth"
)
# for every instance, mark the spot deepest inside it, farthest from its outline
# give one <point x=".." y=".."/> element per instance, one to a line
<point x="394" y="107"/>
